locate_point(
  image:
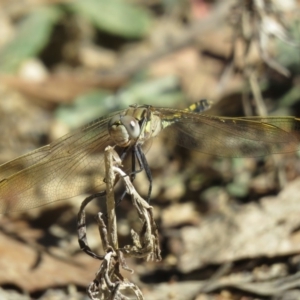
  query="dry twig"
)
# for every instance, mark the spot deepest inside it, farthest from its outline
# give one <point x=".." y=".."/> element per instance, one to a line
<point x="109" y="283"/>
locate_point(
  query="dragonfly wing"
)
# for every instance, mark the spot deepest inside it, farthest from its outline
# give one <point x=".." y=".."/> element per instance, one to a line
<point x="57" y="171"/>
<point x="236" y="137"/>
<point x="23" y="162"/>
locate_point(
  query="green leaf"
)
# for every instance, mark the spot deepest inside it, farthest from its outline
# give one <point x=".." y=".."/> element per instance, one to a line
<point x="32" y="35"/>
<point x="288" y="55"/>
<point x="157" y="92"/>
<point x="114" y="16"/>
<point x="290" y="98"/>
<point x="85" y="108"/>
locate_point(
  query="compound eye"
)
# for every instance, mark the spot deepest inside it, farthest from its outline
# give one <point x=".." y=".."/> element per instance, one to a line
<point x="132" y="126"/>
<point x="115" y="121"/>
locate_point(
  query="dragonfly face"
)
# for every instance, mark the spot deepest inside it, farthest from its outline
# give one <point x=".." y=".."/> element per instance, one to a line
<point x="135" y="125"/>
<point x="59" y="171"/>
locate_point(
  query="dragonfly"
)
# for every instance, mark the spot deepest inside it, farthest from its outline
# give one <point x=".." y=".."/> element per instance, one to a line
<point x="50" y="173"/>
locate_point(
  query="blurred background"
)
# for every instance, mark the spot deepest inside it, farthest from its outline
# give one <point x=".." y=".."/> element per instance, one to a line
<point x="229" y="227"/>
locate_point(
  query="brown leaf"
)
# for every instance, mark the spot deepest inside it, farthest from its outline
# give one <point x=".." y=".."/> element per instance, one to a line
<point x="31" y="270"/>
<point x="270" y="228"/>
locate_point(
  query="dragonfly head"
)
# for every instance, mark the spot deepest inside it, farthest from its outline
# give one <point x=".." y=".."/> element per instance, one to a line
<point x="123" y="129"/>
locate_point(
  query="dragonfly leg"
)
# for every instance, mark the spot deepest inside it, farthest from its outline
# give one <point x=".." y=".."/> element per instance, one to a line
<point x="144" y="166"/>
<point x="81" y="226"/>
<point x="137" y="153"/>
<point x="132" y="173"/>
<point x="122" y="157"/>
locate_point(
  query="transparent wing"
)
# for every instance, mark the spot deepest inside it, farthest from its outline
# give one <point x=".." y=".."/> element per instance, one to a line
<point x="57" y="171"/>
<point x="63" y="169"/>
<point x="233" y="137"/>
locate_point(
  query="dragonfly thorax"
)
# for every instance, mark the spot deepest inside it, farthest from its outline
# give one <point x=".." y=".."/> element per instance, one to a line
<point x="124" y="129"/>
